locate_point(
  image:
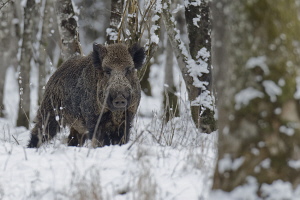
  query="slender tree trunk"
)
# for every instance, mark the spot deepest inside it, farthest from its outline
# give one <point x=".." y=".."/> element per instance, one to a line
<point x="30" y="13"/>
<point x="48" y="25"/>
<point x="9" y="36"/>
<point x="170" y="98"/>
<point x="68" y="29"/>
<point x="115" y="21"/>
<point x="151" y="46"/>
<point x="6" y="15"/>
<point x="259" y="142"/>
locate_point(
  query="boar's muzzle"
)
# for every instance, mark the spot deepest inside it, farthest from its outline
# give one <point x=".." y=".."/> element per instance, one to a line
<point x="118" y="100"/>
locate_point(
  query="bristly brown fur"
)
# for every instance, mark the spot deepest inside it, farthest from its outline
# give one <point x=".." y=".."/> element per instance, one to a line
<point x="84" y="94"/>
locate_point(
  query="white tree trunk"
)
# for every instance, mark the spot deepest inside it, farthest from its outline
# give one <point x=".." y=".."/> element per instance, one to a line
<point x="9" y="45"/>
<point x="68" y="29"/>
<point x="115" y="21"/>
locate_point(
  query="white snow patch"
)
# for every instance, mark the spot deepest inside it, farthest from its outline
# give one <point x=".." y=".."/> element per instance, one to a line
<point x="294" y="164"/>
<point x="226" y="163"/>
<point x="155" y="18"/>
<point x="154" y="37"/>
<point x="204" y="54"/>
<point x="258" y="62"/>
<point x="287" y="130"/>
<point x="243" y="97"/>
<point x="205" y="99"/>
<point x="277" y="111"/>
<point x="255" y="151"/>
<point x="266" y="163"/>
<point x="178" y="8"/>
<point x="243" y="192"/>
<point x="158" y="6"/>
<point x="193" y="3"/>
<point x="196" y="20"/>
<point x="297" y="93"/>
<point x="272" y="89"/>
<point x="113" y="35"/>
<point x="278" y="190"/>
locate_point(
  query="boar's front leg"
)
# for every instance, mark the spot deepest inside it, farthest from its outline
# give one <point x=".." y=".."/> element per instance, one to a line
<point x="121" y="136"/>
<point x="96" y="133"/>
<point x="75" y="138"/>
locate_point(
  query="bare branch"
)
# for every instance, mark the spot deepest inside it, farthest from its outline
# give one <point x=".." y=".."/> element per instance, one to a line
<point x="3" y="4"/>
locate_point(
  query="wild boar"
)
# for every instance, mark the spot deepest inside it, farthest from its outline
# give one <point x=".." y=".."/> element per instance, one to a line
<point x="96" y="96"/>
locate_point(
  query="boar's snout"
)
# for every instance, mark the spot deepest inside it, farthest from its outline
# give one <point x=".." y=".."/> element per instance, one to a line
<point x="119" y="100"/>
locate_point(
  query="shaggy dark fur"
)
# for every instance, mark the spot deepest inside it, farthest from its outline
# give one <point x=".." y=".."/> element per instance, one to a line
<point x="96" y="96"/>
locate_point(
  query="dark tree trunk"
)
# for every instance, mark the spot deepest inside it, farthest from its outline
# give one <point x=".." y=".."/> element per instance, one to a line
<point x="30" y="12"/>
<point x="170" y="98"/>
<point x="199" y="30"/>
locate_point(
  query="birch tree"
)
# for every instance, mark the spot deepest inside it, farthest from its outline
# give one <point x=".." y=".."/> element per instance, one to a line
<point x="194" y="61"/>
<point x="48" y="29"/>
<point x="115" y="21"/>
<point x="68" y="29"/>
<point x="259" y="142"/>
<point x="170" y="98"/>
<point x="26" y="60"/>
<point x="9" y="45"/>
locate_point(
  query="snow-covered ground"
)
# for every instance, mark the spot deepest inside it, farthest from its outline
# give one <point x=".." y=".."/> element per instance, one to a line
<point x="171" y="161"/>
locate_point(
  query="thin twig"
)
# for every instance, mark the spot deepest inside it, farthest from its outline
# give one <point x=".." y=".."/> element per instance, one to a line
<point x="135" y="140"/>
<point x="25" y="153"/>
<point x="3" y="4"/>
<point x="15" y="139"/>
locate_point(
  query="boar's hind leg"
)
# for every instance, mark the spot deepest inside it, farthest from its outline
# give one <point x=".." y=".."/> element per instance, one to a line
<point x="43" y="131"/>
<point x="75" y="138"/>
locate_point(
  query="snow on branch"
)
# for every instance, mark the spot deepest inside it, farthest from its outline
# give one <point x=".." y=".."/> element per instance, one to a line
<point x="187" y="65"/>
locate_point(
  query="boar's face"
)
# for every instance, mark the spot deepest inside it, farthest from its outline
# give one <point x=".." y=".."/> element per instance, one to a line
<point x="118" y="84"/>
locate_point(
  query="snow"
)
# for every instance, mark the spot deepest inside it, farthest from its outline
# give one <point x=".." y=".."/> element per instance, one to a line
<point x="178" y="8"/>
<point x="258" y="62"/>
<point x="278" y="190"/>
<point x="196" y="20"/>
<point x="266" y="163"/>
<point x="161" y="161"/>
<point x="272" y="89"/>
<point x="154" y="38"/>
<point x="294" y="164"/>
<point x="287" y="130"/>
<point x="205" y="99"/>
<point x="227" y="164"/>
<point x="243" y="97"/>
<point x="244" y="192"/>
<point x="193" y="3"/>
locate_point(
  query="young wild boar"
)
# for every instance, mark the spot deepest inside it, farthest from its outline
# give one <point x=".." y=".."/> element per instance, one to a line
<point x="95" y="95"/>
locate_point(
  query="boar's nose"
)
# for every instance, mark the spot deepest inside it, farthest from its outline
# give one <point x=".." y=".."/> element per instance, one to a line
<point x="119" y="102"/>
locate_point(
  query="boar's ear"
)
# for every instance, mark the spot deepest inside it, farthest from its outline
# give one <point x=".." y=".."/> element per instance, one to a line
<point x="138" y="55"/>
<point x="99" y="51"/>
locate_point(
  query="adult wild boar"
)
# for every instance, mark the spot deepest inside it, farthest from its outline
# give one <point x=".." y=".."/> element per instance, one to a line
<point x="95" y="95"/>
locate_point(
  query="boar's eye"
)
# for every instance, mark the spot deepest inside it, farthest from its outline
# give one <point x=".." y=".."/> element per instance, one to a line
<point x="107" y="71"/>
<point x="128" y="70"/>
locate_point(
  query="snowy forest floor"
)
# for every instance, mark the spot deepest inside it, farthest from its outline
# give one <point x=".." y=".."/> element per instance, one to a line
<point x="171" y="161"/>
